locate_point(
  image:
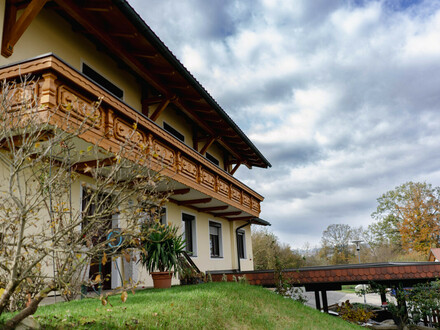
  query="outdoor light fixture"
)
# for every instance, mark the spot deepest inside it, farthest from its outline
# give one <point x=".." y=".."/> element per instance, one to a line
<point x="358" y="249"/>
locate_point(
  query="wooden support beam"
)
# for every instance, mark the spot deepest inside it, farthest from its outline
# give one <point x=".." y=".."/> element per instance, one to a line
<point x="207" y="145"/>
<point x="128" y="35"/>
<point x="241" y="218"/>
<point x="235" y="169"/>
<point x="87" y="21"/>
<point x="13" y="29"/>
<point x="194" y="201"/>
<point x="81" y="166"/>
<point x="146" y="55"/>
<point x="317" y="300"/>
<point x="164" y="72"/>
<point x="152" y="100"/>
<point x="160" y="108"/>
<point x="324" y="301"/>
<point x="104" y="8"/>
<point x="227" y="214"/>
<point x="179" y="86"/>
<point x="213" y="208"/>
<point x="182" y="191"/>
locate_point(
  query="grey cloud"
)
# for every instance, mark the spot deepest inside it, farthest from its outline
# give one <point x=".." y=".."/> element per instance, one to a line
<point x="380" y="130"/>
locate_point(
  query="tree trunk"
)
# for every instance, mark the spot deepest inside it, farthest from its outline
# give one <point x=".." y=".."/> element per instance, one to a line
<point x="29" y="310"/>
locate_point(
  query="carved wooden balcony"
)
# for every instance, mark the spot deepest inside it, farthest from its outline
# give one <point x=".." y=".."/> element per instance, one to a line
<point x="59" y="84"/>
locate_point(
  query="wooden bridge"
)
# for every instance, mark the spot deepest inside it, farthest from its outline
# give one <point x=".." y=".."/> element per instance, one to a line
<point x="331" y="278"/>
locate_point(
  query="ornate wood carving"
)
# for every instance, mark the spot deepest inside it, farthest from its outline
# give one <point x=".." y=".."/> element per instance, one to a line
<point x="79" y="107"/>
<point x="185" y="165"/>
<point x="189" y="169"/>
<point x="223" y="188"/>
<point x="246" y="200"/>
<point x="165" y="154"/>
<point x="235" y="194"/>
<point x="207" y="179"/>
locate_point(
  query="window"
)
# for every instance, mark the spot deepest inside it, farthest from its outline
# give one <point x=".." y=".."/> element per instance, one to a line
<point x="103" y="82"/>
<point x="154" y="214"/>
<point x="163" y="216"/>
<point x="189" y="222"/>
<point x="212" y="159"/>
<point x="215" y="239"/>
<point x="173" y="131"/>
<point x="241" y="244"/>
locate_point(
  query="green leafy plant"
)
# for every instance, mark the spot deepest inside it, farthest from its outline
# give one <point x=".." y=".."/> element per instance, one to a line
<point x="161" y="246"/>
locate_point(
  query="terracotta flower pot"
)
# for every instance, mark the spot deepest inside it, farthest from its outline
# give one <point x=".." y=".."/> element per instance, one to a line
<point x="162" y="280"/>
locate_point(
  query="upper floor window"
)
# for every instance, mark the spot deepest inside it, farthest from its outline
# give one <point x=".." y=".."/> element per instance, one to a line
<point x="173" y="131"/>
<point x="215" y="239"/>
<point x="103" y="82"/>
<point x="212" y="159"/>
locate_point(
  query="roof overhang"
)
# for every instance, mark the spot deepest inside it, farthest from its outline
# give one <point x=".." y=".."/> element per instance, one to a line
<point x="115" y="27"/>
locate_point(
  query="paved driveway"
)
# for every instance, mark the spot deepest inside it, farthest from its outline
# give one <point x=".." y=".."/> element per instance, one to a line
<point x="336" y="297"/>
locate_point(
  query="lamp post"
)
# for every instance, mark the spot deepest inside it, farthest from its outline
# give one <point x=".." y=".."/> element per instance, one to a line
<point x="358" y="249"/>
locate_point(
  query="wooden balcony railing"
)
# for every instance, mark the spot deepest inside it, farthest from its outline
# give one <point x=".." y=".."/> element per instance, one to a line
<point x="59" y="84"/>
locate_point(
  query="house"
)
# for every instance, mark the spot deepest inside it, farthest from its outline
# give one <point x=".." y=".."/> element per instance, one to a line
<point x="434" y="255"/>
<point x="103" y="48"/>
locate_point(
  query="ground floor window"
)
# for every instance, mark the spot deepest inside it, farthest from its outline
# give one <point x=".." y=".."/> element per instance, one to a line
<point x="189" y="222"/>
<point x="241" y="244"/>
<point x="215" y="239"/>
<point x="163" y="216"/>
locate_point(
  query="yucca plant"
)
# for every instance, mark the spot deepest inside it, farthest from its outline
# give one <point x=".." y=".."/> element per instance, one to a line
<point x="161" y="247"/>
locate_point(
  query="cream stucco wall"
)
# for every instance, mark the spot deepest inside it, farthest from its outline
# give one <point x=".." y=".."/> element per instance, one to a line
<point x="49" y="33"/>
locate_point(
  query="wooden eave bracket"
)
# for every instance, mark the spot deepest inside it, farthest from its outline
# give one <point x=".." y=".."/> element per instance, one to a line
<point x="13" y="29"/>
<point x="162" y="106"/>
<point x="213" y="208"/>
<point x="235" y="168"/>
<point x="207" y="145"/>
<point x="241" y="218"/>
<point x="194" y="201"/>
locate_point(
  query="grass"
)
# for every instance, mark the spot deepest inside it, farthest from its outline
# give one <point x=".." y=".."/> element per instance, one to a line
<point x="348" y="288"/>
<point x="211" y="305"/>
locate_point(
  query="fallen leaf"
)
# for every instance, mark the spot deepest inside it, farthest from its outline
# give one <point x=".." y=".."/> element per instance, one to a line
<point x="104" y="259"/>
<point x="124" y="296"/>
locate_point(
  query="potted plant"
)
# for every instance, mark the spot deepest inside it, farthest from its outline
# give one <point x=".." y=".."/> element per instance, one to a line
<point x="161" y="246"/>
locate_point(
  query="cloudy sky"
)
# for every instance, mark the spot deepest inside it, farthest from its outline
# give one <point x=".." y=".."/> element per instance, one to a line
<point x="342" y="97"/>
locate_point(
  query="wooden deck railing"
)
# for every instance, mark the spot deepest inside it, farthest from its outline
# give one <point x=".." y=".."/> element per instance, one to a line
<point x="59" y="85"/>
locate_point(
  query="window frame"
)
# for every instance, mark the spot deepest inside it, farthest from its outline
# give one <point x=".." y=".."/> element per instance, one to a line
<point x="219" y="226"/>
<point x="176" y="134"/>
<point x="109" y="81"/>
<point x="212" y="159"/>
<point x="241" y="233"/>
<point x="192" y="253"/>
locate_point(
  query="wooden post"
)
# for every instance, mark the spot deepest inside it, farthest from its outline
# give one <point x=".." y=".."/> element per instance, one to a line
<point x="317" y="301"/>
<point x="324" y="301"/>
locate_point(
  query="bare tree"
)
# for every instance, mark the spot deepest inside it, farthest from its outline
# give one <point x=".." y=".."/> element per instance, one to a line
<point x="336" y="243"/>
<point x="47" y="240"/>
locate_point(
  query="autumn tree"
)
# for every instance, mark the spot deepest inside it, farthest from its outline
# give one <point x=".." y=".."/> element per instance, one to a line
<point x="46" y="240"/>
<point x="336" y="241"/>
<point x="411" y="212"/>
<point x="266" y="247"/>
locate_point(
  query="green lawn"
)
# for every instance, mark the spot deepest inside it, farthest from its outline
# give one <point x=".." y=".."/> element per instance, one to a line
<point x="348" y="288"/>
<point x="211" y="305"/>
